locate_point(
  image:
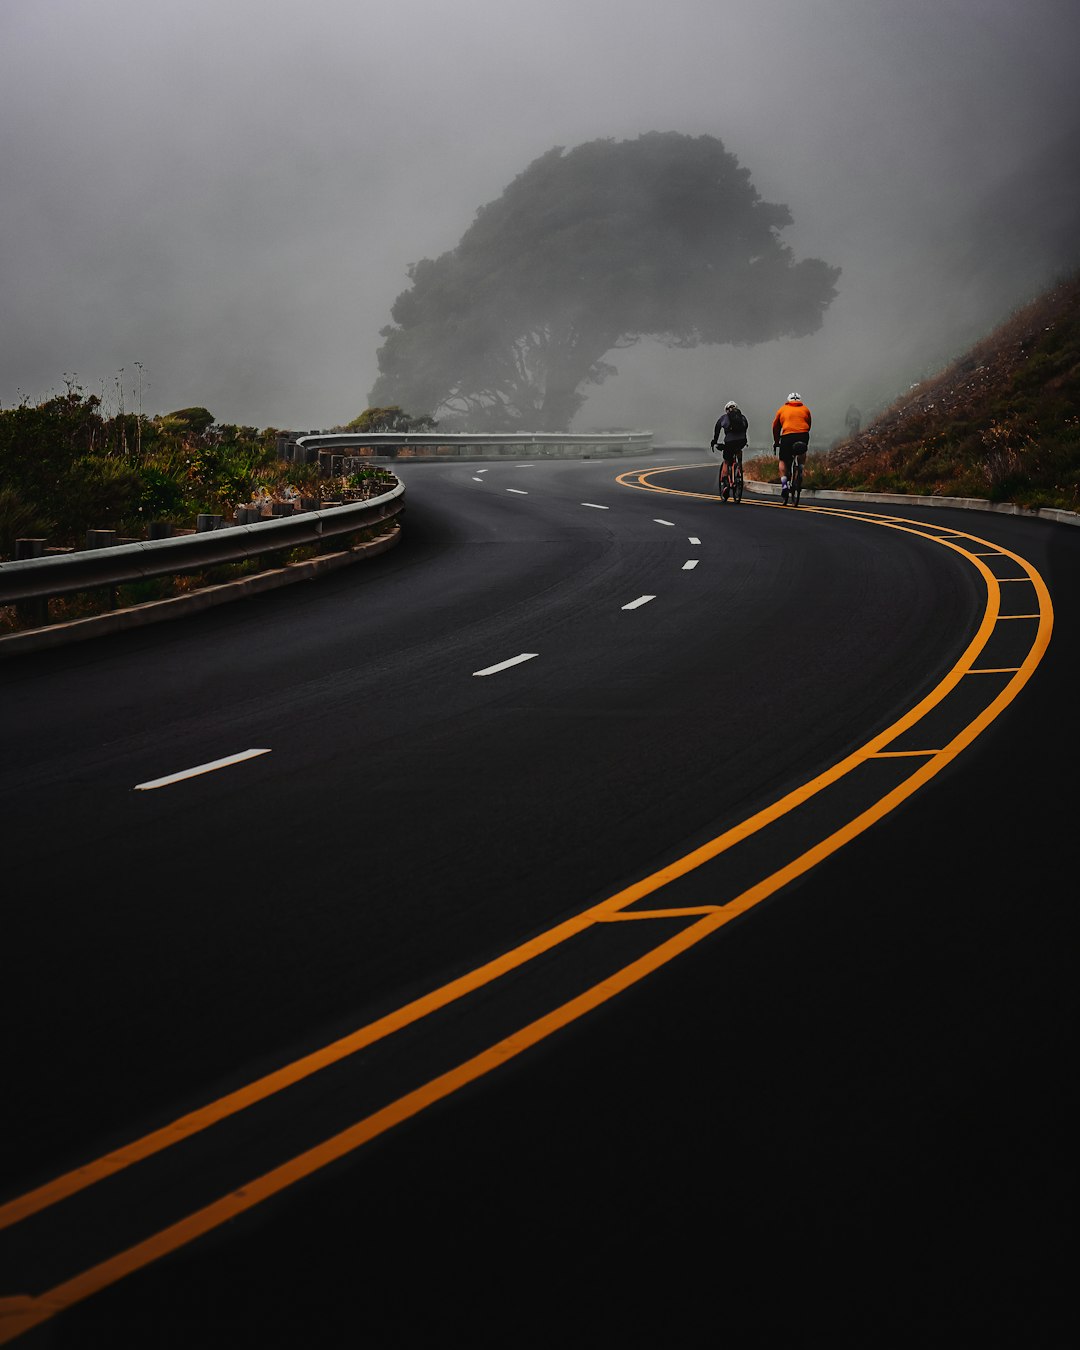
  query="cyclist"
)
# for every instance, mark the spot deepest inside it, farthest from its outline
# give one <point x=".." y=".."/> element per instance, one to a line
<point x="790" y="425"/>
<point x="732" y="422"/>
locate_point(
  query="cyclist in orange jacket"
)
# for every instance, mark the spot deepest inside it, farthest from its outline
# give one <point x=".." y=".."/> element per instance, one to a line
<point x="790" y="426"/>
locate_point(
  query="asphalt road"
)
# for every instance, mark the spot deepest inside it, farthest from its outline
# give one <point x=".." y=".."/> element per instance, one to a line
<point x="571" y="966"/>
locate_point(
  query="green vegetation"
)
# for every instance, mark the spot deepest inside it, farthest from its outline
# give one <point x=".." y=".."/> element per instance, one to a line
<point x="65" y="468"/>
<point x="1002" y="422"/>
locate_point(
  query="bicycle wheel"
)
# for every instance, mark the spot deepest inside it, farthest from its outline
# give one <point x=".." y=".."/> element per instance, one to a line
<point x="796" y="472"/>
<point x="737" y="484"/>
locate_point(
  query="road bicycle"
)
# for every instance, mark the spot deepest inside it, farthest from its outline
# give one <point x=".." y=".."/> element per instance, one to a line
<point x="733" y="485"/>
<point x="793" y="491"/>
<point x="735" y="479"/>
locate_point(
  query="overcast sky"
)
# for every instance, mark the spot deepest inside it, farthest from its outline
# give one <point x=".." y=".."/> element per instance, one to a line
<point x="215" y="201"/>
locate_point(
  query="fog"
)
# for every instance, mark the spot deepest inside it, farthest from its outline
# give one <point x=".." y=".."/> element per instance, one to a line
<point x="215" y="202"/>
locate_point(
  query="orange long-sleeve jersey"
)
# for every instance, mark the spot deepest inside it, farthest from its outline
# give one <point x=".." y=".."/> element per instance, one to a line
<point x="791" y="417"/>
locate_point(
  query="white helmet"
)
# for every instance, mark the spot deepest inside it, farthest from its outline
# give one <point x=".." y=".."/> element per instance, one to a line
<point x="730" y="405"/>
<point x="794" y="398"/>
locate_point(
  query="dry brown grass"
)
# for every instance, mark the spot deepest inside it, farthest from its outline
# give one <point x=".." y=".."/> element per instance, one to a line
<point x="972" y="383"/>
<point x="999" y="422"/>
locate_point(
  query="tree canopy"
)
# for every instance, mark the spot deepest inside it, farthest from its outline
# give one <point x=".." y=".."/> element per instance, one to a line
<point x="393" y="418"/>
<point x="587" y="251"/>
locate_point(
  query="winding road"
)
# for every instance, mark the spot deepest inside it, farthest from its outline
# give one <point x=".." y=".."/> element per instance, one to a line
<point x="612" y="915"/>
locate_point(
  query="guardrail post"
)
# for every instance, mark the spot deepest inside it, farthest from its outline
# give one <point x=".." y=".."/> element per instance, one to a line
<point x="327" y="544"/>
<point x="103" y="539"/>
<point x="34" y="613"/>
<point x="207" y="522"/>
<point x="161" y="529"/>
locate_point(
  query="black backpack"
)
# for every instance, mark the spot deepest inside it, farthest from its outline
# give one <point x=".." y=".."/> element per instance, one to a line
<point x="737" y="422"/>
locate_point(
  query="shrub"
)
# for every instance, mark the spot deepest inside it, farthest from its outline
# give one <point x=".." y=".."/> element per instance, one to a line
<point x="97" y="492"/>
<point x="19" y="519"/>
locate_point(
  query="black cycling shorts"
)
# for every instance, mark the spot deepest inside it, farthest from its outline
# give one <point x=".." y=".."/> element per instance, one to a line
<point x="729" y="451"/>
<point x="789" y="441"/>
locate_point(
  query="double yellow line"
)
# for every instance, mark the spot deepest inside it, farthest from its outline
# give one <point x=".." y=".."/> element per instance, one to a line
<point x="20" y="1312"/>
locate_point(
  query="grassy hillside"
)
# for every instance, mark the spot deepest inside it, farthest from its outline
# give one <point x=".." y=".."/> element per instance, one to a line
<point x="1002" y="422"/>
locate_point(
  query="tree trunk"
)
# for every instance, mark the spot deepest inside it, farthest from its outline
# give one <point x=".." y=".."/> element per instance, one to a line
<point x="569" y="367"/>
<point x="560" y="404"/>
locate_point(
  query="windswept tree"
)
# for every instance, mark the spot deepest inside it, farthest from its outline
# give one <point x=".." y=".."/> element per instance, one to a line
<point x="585" y="252"/>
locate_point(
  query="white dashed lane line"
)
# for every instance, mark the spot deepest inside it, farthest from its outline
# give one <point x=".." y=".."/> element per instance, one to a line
<point x="198" y="769"/>
<point x="641" y="600"/>
<point x="689" y="566"/>
<point x="505" y="665"/>
<point x="694" y="539"/>
<point x="662" y="522"/>
<point x="596" y="506"/>
<point x="477" y="480"/>
<point x="520" y="491"/>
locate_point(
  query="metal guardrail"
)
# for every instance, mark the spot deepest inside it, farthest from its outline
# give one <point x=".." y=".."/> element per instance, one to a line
<point x="313" y="445"/>
<point x="64" y="573"/>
